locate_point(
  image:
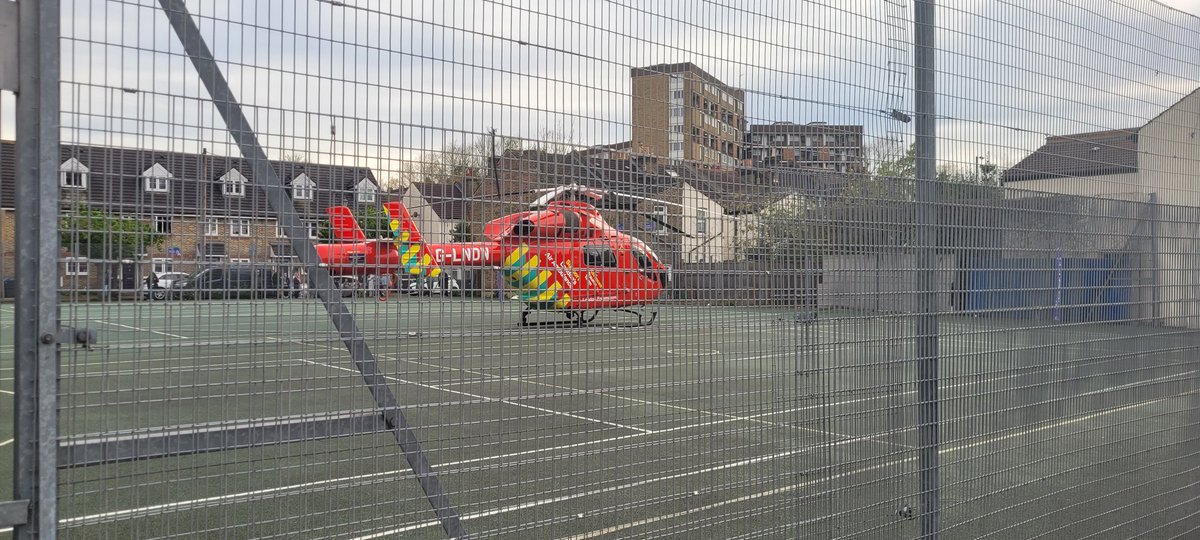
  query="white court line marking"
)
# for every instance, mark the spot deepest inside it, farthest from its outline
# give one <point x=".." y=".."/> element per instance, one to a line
<point x="5" y="443"/>
<point x="119" y="325"/>
<point x="256" y="494"/>
<point x="616" y="528"/>
<point x="645" y="402"/>
<point x="252" y="495"/>
<point x="7" y="392"/>
<point x="486" y="399"/>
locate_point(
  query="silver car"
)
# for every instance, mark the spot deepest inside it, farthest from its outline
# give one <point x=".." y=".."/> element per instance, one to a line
<point x="162" y="285"/>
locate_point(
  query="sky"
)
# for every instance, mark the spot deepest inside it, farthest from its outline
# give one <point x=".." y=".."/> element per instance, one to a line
<point x="368" y="84"/>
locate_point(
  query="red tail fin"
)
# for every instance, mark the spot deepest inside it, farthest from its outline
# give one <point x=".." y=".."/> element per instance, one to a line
<point x="415" y="257"/>
<point x="343" y="224"/>
<point x="399" y="212"/>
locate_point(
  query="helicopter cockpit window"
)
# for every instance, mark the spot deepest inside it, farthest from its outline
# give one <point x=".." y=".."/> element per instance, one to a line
<point x="599" y="255"/>
<point x="646" y="265"/>
<point x="643" y="261"/>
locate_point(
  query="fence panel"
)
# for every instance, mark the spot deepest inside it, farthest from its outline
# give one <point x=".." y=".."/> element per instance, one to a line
<point x="608" y="269"/>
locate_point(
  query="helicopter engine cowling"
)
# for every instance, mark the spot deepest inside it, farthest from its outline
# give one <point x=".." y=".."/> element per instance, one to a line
<point x="547" y="224"/>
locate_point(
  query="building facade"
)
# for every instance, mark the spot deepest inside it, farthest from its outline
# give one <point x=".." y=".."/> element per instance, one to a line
<point x="682" y="113"/>
<point x="195" y="210"/>
<point x="814" y="145"/>
<point x="1155" y="162"/>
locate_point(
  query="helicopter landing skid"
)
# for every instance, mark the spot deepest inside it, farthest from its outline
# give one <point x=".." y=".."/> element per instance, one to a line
<point x="583" y="318"/>
<point x="640" y="314"/>
<point x="574" y="318"/>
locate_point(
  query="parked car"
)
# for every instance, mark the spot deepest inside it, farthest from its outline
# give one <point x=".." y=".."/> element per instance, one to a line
<point x="232" y="282"/>
<point x="161" y="285"/>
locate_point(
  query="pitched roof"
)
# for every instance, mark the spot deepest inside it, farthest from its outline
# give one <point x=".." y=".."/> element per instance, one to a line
<point x="1082" y="154"/>
<point x="116" y="182"/>
<point x="445" y="199"/>
<point x="737" y="190"/>
<point x="747" y="190"/>
<point x="638" y="177"/>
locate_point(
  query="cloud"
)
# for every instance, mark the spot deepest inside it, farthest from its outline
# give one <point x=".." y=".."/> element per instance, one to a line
<point x="376" y="83"/>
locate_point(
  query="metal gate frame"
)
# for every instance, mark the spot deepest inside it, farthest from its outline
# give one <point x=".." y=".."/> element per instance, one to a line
<point x="38" y="335"/>
<point x="38" y="452"/>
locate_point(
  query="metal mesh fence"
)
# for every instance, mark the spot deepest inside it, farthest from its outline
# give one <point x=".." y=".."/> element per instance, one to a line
<point x="615" y="269"/>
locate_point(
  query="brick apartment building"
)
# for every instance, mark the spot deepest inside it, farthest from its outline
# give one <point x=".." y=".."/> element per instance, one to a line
<point x="204" y="205"/>
<point x="682" y="113"/>
<point x="815" y="145"/>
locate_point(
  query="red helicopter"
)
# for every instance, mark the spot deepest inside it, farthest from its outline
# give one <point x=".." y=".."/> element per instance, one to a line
<point x="560" y="258"/>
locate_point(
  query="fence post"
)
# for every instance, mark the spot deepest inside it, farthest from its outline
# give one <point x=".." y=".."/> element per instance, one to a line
<point x="35" y="355"/>
<point x="927" y="324"/>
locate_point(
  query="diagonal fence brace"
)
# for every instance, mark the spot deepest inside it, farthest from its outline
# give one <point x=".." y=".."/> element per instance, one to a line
<point x="265" y="177"/>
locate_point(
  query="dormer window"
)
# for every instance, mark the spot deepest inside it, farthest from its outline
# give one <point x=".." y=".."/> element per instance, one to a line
<point x="73" y="174"/>
<point x="233" y="184"/>
<point x="303" y="188"/>
<point x="158" y="179"/>
<point x="366" y="190"/>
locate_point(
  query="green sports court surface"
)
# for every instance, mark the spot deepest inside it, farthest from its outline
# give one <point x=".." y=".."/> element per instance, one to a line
<point x="733" y="419"/>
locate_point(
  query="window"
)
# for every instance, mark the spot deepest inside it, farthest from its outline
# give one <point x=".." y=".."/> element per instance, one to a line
<point x="239" y="261"/>
<point x="366" y="191"/>
<point x="162" y="266"/>
<point x="599" y="255"/>
<point x="303" y="188"/>
<point x="158" y="179"/>
<point x="73" y="174"/>
<point x="659" y="216"/>
<point x="642" y="260"/>
<point x="213" y="252"/>
<point x="239" y="227"/>
<point x="158" y="184"/>
<point x="162" y="224"/>
<point x="233" y="184"/>
<point x="314" y="229"/>
<point x="676" y="112"/>
<point x="701" y="221"/>
<point x="211" y="228"/>
<point x="76" y="266"/>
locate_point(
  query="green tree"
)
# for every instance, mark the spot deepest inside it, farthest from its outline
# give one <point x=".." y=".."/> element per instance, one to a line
<point x="96" y="234"/>
<point x="461" y="232"/>
<point x="786" y="232"/>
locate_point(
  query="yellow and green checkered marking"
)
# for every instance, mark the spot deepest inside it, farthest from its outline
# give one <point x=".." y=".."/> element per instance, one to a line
<point x="537" y="286"/>
<point x="413" y="259"/>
